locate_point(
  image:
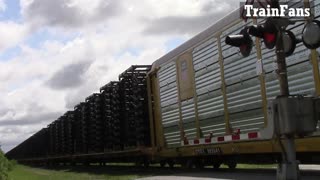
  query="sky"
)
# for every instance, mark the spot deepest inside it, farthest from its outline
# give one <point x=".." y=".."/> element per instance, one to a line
<point x="54" y="53"/>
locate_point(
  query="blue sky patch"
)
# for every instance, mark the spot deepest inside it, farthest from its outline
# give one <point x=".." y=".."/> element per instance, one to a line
<point x="37" y="39"/>
<point x="10" y="53"/>
<point x="12" y="11"/>
<point x="174" y="43"/>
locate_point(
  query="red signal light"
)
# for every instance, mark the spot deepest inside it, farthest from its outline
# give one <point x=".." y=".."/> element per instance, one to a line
<point x="269" y="38"/>
<point x="267" y="31"/>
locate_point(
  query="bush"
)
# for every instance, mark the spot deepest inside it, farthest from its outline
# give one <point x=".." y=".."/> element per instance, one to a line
<point x="12" y="164"/>
<point x="4" y="166"/>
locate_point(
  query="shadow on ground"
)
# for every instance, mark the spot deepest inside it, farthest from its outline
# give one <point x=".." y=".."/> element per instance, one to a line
<point x="206" y="173"/>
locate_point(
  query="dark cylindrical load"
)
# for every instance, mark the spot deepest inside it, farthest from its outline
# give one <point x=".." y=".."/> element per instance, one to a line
<point x="95" y="123"/>
<point x="36" y="146"/>
<point x="134" y="107"/>
<point x="61" y="138"/>
<point x="80" y="129"/>
<point x="68" y="137"/>
<point x="111" y="116"/>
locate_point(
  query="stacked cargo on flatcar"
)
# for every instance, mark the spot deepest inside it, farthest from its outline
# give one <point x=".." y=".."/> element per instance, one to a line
<point x="111" y="115"/>
<point x="68" y="119"/>
<point x="95" y="123"/>
<point x="34" y="147"/>
<point x="134" y="107"/>
<point x="51" y="130"/>
<point x="80" y="141"/>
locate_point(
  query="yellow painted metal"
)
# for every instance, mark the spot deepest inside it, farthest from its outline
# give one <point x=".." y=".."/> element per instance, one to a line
<point x="199" y="133"/>
<point x="262" y="81"/>
<point x="151" y="120"/>
<point x="310" y="144"/>
<point x="182" y="134"/>
<point x="188" y="56"/>
<point x="160" y="142"/>
<point x="185" y="76"/>
<point x="314" y="57"/>
<point x="223" y="88"/>
<point x="315" y="67"/>
<point x="195" y="100"/>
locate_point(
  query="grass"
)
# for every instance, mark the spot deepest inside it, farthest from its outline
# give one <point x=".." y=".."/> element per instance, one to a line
<point x="111" y="172"/>
<point x="21" y="172"/>
<point x="256" y="166"/>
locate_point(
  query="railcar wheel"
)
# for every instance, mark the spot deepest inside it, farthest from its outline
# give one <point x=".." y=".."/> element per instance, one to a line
<point x="188" y="164"/>
<point x="162" y="164"/>
<point x="138" y="164"/>
<point x="146" y="164"/>
<point x="199" y="164"/>
<point x="171" y="164"/>
<point x="216" y="165"/>
<point x="232" y="165"/>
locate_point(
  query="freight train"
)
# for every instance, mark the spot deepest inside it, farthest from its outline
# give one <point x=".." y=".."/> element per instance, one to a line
<point x="201" y="104"/>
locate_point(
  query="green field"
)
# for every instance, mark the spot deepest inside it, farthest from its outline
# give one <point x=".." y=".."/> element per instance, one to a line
<point x="111" y="172"/>
<point x="21" y="172"/>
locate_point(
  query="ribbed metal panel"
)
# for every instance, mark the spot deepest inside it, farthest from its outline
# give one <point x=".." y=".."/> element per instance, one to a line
<point x="208" y="84"/>
<point x="210" y="105"/>
<point x="214" y="125"/>
<point x="244" y="96"/>
<point x="172" y="136"/>
<point x="170" y="118"/>
<point x="188" y="118"/>
<point x="168" y="85"/>
<point x="247" y="121"/>
<point x="169" y="104"/>
<point x="242" y="86"/>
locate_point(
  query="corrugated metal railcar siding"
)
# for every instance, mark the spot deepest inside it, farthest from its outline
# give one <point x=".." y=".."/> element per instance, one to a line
<point x="242" y="85"/>
<point x="208" y="88"/>
<point x="188" y="118"/>
<point x="169" y="104"/>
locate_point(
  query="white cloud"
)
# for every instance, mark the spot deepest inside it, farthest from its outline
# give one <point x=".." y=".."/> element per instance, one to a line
<point x="11" y="33"/>
<point x="32" y="87"/>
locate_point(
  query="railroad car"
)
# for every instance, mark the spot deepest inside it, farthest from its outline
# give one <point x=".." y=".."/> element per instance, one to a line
<point x="201" y="104"/>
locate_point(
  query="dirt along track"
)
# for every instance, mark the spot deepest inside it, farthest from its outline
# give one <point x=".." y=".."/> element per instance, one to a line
<point x="308" y="172"/>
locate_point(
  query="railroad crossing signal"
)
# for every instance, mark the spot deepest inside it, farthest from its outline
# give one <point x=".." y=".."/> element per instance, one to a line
<point x="311" y="34"/>
<point x="242" y="40"/>
<point x="269" y="33"/>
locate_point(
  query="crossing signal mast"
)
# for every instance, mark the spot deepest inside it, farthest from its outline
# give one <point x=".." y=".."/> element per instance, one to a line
<point x="292" y="115"/>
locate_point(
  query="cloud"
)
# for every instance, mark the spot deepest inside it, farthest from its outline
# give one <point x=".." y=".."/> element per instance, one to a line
<point x="11" y="33"/>
<point x="179" y="24"/>
<point x="209" y="12"/>
<point x="68" y="13"/>
<point x="69" y="76"/>
<point x="31" y="119"/>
